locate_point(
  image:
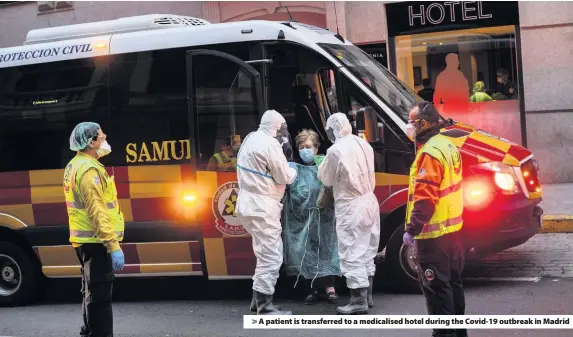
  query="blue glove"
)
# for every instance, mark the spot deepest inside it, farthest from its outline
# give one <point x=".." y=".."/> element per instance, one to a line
<point x="292" y="164"/>
<point x="117" y="260"/>
<point x="408" y="239"/>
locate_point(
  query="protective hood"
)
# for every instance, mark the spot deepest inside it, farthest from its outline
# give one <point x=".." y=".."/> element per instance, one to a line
<point x="271" y="122"/>
<point x="339" y="124"/>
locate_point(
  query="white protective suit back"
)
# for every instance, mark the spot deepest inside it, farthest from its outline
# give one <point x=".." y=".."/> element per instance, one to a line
<point x="349" y="169"/>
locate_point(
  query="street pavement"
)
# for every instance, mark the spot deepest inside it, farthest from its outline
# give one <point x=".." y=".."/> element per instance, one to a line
<point x="534" y="278"/>
<point x="217" y="311"/>
<point x="544" y="255"/>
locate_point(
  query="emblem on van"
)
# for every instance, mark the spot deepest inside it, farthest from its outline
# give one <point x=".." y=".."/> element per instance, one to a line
<point x="224" y="209"/>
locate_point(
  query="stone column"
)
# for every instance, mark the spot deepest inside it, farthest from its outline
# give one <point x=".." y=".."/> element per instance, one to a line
<point x="547" y="54"/>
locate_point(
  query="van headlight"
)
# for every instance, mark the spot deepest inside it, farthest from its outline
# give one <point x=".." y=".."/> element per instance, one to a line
<point x="503" y="176"/>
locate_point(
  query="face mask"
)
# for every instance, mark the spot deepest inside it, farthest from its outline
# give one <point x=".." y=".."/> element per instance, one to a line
<point x="411" y="131"/>
<point x="282" y="134"/>
<point x="104" y="149"/>
<point x="330" y="135"/>
<point x="307" y="155"/>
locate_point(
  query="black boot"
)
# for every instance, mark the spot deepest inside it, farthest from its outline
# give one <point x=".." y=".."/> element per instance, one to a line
<point x="265" y="305"/>
<point x="370" y="300"/>
<point x="253" y="303"/>
<point x="358" y="303"/>
<point x="312" y="297"/>
<point x="84" y="332"/>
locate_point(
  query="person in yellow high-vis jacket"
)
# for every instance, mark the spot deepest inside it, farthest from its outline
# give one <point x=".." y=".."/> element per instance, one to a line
<point x="434" y="216"/>
<point x="226" y="160"/>
<point x="96" y="226"/>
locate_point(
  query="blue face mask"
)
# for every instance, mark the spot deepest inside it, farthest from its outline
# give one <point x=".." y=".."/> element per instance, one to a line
<point x="307" y="155"/>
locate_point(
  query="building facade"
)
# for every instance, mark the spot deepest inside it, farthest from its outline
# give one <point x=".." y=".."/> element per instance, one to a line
<point x="505" y="67"/>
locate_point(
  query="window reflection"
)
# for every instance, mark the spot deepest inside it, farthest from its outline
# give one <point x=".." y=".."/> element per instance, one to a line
<point x="471" y="75"/>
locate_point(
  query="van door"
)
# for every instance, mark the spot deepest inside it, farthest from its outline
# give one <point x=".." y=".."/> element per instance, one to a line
<point x="225" y="103"/>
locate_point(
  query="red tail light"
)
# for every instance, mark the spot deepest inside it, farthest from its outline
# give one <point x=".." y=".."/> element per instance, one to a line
<point x="530" y="174"/>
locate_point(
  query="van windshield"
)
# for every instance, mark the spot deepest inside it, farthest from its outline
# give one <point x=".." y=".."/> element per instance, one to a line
<point x="397" y="95"/>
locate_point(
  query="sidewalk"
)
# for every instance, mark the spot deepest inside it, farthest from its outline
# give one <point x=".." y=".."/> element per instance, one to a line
<point x="557" y="207"/>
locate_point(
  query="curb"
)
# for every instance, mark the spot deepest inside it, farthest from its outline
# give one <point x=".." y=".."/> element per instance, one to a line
<point x="557" y="224"/>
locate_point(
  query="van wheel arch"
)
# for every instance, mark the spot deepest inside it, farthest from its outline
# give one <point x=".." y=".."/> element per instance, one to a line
<point x="399" y="273"/>
<point x="389" y="223"/>
<point x="15" y="246"/>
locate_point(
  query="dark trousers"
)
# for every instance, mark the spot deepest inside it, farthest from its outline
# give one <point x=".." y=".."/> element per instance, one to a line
<point x="97" y="284"/>
<point x="441" y="263"/>
<point x="321" y="282"/>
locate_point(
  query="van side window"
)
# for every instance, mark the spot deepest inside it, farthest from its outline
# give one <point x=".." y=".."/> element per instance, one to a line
<point x="226" y="106"/>
<point x="149" y="108"/>
<point x="302" y="88"/>
<point x="394" y="154"/>
<point x="40" y="104"/>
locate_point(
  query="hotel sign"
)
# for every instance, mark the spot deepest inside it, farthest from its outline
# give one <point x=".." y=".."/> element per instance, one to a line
<point x="413" y="17"/>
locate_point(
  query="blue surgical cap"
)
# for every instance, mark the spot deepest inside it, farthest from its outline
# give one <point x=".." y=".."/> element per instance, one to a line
<point x="82" y="135"/>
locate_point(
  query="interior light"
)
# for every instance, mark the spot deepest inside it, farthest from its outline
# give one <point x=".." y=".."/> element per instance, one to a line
<point x="441" y="43"/>
<point x="424" y="43"/>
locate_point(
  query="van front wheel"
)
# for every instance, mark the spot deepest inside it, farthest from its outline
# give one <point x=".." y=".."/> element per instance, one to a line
<point x="19" y="280"/>
<point x="400" y="258"/>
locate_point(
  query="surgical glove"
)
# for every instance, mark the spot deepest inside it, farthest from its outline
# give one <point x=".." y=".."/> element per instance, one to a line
<point x="292" y="165"/>
<point x="117" y="260"/>
<point x="408" y="239"/>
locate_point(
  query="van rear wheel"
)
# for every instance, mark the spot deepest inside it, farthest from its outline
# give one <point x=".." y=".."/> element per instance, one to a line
<point x="401" y="262"/>
<point x="19" y="279"/>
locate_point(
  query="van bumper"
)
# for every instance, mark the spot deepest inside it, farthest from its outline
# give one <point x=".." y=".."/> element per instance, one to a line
<point x="509" y="222"/>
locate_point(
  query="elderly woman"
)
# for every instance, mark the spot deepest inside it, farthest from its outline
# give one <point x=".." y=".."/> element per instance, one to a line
<point x="309" y="232"/>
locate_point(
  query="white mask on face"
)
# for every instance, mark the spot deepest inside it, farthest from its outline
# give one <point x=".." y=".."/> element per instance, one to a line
<point x="411" y="131"/>
<point x="104" y="149"/>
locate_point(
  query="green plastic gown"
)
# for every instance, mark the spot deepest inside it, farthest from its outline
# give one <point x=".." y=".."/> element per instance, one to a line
<point x="309" y="233"/>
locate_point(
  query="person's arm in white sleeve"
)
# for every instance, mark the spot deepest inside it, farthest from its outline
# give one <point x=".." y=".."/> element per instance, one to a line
<point x="281" y="172"/>
<point x="328" y="169"/>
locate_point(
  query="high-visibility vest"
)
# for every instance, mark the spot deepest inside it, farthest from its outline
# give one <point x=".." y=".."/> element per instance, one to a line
<point x="81" y="230"/>
<point x="222" y="165"/>
<point x="447" y="217"/>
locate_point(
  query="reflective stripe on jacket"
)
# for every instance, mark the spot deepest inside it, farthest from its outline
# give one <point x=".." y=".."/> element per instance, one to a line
<point x="438" y="191"/>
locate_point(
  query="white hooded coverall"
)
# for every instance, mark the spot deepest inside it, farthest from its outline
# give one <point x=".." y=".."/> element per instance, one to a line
<point x="263" y="173"/>
<point x="349" y="169"/>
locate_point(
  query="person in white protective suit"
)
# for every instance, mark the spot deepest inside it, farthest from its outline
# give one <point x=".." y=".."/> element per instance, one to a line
<point x="349" y="169"/>
<point x="263" y="173"/>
